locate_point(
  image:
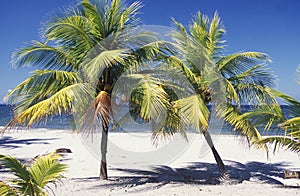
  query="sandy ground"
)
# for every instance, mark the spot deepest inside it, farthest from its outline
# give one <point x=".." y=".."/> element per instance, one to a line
<point x="137" y="167"/>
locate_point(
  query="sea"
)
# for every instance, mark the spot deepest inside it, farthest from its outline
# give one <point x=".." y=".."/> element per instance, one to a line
<point x="63" y="122"/>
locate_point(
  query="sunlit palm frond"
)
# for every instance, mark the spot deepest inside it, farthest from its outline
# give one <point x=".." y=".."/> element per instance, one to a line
<point x="175" y="62"/>
<point x="53" y="81"/>
<point x="294" y="105"/>
<point x="291" y="143"/>
<point x="128" y="17"/>
<point x="115" y="15"/>
<point x="62" y="101"/>
<point x="259" y="75"/>
<point x="43" y="55"/>
<point x="7" y="190"/>
<point x="46" y="169"/>
<point x="75" y="30"/>
<point x="104" y="59"/>
<point x="172" y="124"/>
<point x="241" y="125"/>
<point x="231" y="92"/>
<point x="180" y="35"/>
<point x="90" y="11"/>
<point x="190" y="50"/>
<point x="253" y="94"/>
<point x="193" y="111"/>
<point x="292" y="126"/>
<point x="150" y="51"/>
<point x="23" y="181"/>
<point x="240" y="62"/>
<point x="208" y="33"/>
<point x="266" y="116"/>
<point x="151" y="98"/>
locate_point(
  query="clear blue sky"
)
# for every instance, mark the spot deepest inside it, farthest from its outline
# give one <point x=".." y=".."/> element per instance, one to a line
<point x="270" y="26"/>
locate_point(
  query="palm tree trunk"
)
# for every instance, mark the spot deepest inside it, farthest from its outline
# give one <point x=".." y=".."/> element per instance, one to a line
<point x="103" y="166"/>
<point x="218" y="159"/>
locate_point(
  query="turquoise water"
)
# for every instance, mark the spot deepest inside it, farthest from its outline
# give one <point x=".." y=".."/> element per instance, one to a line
<point x="64" y="121"/>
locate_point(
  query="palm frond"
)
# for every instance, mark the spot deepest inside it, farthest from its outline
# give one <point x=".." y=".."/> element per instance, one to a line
<point x="64" y="100"/>
<point x="290" y="143"/>
<point x="6" y="190"/>
<point x="46" y="169"/>
<point x="231" y="92"/>
<point x="75" y="31"/>
<point x="95" y="65"/>
<point x="43" y="55"/>
<point x="129" y="15"/>
<point x="115" y="16"/>
<point x="258" y="75"/>
<point x="265" y="115"/>
<point x="193" y="112"/>
<point x="16" y="167"/>
<point x="241" y="125"/>
<point x="90" y="11"/>
<point x="253" y="94"/>
<point x="294" y="105"/>
<point x="292" y="126"/>
<point x="173" y="124"/>
<point x="97" y="115"/>
<point x="237" y="63"/>
<point x="151" y="98"/>
<point x="208" y="33"/>
<point x="32" y="90"/>
<point x="190" y="75"/>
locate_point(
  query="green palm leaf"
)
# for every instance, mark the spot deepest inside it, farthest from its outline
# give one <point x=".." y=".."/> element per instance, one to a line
<point x="193" y="112"/>
<point x="294" y="105"/>
<point x="23" y="182"/>
<point x="72" y="31"/>
<point x="208" y="33"/>
<point x="62" y="101"/>
<point x="46" y="169"/>
<point x="32" y="90"/>
<point x="292" y="127"/>
<point x="239" y="62"/>
<point x="290" y="143"/>
<point x="43" y="55"/>
<point x="103" y="59"/>
<point x="242" y="125"/>
<point x="150" y="96"/>
<point x="16" y="167"/>
<point x="6" y="190"/>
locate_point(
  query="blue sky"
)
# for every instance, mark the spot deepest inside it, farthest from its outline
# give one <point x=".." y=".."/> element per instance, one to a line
<point x="270" y="26"/>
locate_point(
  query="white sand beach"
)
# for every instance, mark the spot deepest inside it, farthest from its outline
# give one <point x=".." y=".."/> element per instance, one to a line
<point x="136" y="167"/>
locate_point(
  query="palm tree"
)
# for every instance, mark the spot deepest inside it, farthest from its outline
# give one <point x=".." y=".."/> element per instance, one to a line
<point x="59" y="86"/>
<point x="85" y="51"/>
<point x="33" y="181"/>
<point x="283" y="122"/>
<point x="242" y="76"/>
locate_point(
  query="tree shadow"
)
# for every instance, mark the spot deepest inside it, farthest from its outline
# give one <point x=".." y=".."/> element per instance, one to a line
<point x="198" y="173"/>
<point x="10" y="142"/>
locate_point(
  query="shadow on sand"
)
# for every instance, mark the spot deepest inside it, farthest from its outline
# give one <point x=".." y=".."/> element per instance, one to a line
<point x="197" y="173"/>
<point x="10" y="142"/>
